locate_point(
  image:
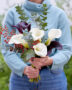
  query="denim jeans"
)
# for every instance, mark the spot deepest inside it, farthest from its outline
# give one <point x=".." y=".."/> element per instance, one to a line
<point x="50" y="80"/>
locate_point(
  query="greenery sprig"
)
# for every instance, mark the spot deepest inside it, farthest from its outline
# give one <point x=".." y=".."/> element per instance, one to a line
<point x="44" y="16"/>
<point x="22" y="14"/>
<point x="40" y="20"/>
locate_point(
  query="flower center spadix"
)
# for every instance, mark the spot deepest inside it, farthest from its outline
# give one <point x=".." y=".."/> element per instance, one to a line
<point x="38" y="49"/>
<point x="38" y="34"/>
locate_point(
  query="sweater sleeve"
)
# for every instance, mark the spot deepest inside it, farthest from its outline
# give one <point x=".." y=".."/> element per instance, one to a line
<point x="61" y="57"/>
<point x="14" y="62"/>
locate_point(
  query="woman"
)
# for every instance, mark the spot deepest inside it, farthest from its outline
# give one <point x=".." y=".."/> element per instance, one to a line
<point x="50" y="67"/>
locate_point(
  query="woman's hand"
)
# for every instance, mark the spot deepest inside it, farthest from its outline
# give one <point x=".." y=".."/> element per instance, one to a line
<point x="31" y="72"/>
<point x="40" y="62"/>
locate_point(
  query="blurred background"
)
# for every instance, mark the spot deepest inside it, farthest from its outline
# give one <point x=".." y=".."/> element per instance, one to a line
<point x="66" y="5"/>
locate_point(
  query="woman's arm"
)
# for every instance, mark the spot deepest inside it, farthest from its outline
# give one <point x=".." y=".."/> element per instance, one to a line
<point x="61" y="57"/>
<point x="14" y="62"/>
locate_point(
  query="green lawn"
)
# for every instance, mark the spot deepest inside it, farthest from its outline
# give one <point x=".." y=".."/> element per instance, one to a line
<point x="4" y="74"/>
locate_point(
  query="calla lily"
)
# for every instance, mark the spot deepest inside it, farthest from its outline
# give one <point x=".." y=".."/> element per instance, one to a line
<point x="22" y="26"/>
<point x="37" y="34"/>
<point x="52" y="34"/>
<point x="18" y="39"/>
<point x="54" y="44"/>
<point x="40" y="49"/>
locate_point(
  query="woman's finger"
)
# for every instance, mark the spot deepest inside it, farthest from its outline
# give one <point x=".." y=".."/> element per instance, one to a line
<point x="37" y="64"/>
<point x="33" y="76"/>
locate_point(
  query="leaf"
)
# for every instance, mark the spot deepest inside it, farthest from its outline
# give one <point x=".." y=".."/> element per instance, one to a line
<point x="46" y="9"/>
<point x="45" y="29"/>
<point x="45" y="13"/>
<point x="38" y="19"/>
<point x="44" y="5"/>
<point x="44" y="18"/>
<point x="28" y="55"/>
<point x="21" y="12"/>
<point x="44" y="24"/>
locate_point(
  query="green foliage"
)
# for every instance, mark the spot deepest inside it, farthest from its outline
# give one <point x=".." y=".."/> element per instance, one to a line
<point x="39" y="20"/>
<point x="4" y="74"/>
<point x="60" y="3"/>
<point x="44" y="17"/>
<point x="68" y="72"/>
<point x="4" y="70"/>
<point x="21" y="13"/>
<point x="1" y="18"/>
<point x="71" y="28"/>
<point x="27" y="55"/>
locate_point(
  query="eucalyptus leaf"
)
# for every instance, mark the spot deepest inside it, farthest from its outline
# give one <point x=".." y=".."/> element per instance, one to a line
<point x="22" y="14"/>
<point x="27" y="55"/>
<point x="44" y="5"/>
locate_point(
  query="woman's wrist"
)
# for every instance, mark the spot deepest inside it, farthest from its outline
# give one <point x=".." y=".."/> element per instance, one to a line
<point x="49" y="61"/>
<point x="25" y="70"/>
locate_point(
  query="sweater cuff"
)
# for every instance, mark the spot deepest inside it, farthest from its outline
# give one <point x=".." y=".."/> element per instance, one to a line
<point x="56" y="66"/>
<point x="22" y="71"/>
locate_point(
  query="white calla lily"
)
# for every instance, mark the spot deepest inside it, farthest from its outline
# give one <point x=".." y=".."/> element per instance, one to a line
<point x="37" y="34"/>
<point x="54" y="33"/>
<point x="18" y="39"/>
<point x="40" y="49"/>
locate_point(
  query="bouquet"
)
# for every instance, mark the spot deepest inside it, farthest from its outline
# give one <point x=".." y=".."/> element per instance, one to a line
<point x="31" y="42"/>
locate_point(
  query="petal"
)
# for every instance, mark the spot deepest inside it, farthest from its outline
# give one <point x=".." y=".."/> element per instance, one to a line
<point x="29" y="27"/>
<point x="36" y="33"/>
<point x="54" y="44"/>
<point x="22" y="26"/>
<point x="42" y="52"/>
<point x="54" y="33"/>
<point x="16" y="39"/>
